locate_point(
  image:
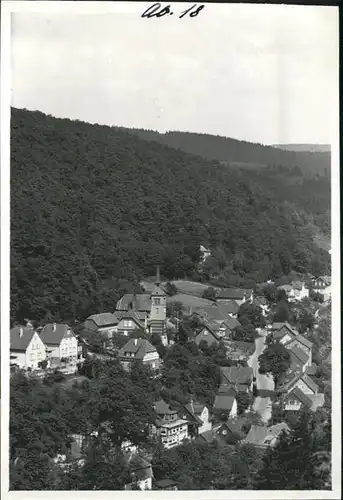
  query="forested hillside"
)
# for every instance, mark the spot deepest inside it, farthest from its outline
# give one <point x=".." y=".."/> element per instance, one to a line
<point x="94" y="208"/>
<point x="233" y="151"/>
<point x="315" y="148"/>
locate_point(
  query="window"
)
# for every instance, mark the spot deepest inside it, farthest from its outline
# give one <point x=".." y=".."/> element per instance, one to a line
<point x="157" y="302"/>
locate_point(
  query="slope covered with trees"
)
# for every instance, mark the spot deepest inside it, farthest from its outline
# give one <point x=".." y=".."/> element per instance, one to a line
<point x="230" y="150"/>
<point x="95" y="208"/>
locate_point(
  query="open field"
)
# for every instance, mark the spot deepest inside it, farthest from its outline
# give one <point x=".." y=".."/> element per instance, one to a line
<point x="189" y="301"/>
<point x="190" y="287"/>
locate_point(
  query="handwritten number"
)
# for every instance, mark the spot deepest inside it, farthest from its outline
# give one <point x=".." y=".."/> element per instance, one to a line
<point x="192" y="14"/>
<point x="196" y="12"/>
<point x="154" y="11"/>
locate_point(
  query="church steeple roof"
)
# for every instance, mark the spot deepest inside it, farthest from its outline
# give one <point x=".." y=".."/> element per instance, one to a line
<point x="157" y="291"/>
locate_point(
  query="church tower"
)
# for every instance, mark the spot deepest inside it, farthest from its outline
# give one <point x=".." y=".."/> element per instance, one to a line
<point x="158" y="313"/>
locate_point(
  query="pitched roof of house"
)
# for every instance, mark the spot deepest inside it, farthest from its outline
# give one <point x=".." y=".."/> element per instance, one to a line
<point x="158" y="292"/>
<point x="233" y="293"/>
<point x="311" y="370"/>
<point x="134" y="315"/>
<point x="139" y="347"/>
<point x="260" y="435"/>
<point x="311" y="384"/>
<point x="231" y="323"/>
<point x="304" y="341"/>
<point x="279" y="334"/>
<point x="140" y="468"/>
<point x="213" y="330"/>
<point x="104" y="319"/>
<point x="227" y="389"/>
<point x="232" y="425"/>
<point x="298" y="394"/>
<point x="297" y="285"/>
<point x="143" y="302"/>
<point x="286" y="288"/>
<point x="195" y="409"/>
<point x="211" y="313"/>
<point x="299" y="353"/>
<point x="165" y="483"/>
<point x="207" y="436"/>
<point x="53" y="333"/>
<point x="291" y="382"/>
<point x="277" y="326"/>
<point x="223" y="402"/>
<point x="237" y="374"/>
<point x="261" y="300"/>
<point x="317" y="400"/>
<point x="163" y="408"/>
<point x="20" y="338"/>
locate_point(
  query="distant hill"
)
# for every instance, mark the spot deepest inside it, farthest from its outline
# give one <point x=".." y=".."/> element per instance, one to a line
<point x="95" y="208"/>
<point x="234" y="152"/>
<point x="308" y="148"/>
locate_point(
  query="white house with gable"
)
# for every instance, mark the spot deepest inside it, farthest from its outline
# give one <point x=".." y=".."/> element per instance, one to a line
<point x="26" y="347"/>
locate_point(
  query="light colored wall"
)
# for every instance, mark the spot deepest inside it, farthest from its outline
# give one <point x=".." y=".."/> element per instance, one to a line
<point x="151" y="356"/>
<point x="172" y="439"/>
<point x="233" y="412"/>
<point x="207" y="425"/>
<point x="158" y="311"/>
<point x="35" y="351"/>
<point x="294" y="405"/>
<point x="305" y="389"/>
<point x="145" y="484"/>
<point x="68" y="347"/>
<point x="20" y="359"/>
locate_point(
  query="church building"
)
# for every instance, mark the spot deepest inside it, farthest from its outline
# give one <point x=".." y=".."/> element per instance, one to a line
<point x="151" y="308"/>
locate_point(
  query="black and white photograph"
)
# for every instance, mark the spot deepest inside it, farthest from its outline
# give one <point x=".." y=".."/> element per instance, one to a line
<point x="170" y="256"/>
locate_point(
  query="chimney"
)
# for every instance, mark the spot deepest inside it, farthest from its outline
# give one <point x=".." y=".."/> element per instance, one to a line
<point x="191" y="405"/>
<point x="134" y="298"/>
<point x="158" y="279"/>
<point x="21" y="331"/>
<point x="54" y="327"/>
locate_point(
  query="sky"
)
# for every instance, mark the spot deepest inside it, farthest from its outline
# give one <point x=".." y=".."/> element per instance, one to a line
<point x="261" y="73"/>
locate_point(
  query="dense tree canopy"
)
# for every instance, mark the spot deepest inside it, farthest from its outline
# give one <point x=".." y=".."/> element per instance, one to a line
<point x="94" y="208"/>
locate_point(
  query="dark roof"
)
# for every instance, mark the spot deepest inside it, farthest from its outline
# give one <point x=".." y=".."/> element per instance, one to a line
<point x="277" y="326"/>
<point x="211" y="313"/>
<point x="207" y="436"/>
<point x="165" y="483"/>
<point x="104" y="319"/>
<point x="53" y="333"/>
<point x="232" y="425"/>
<point x="312" y="370"/>
<point x="210" y="329"/>
<point x="158" y="292"/>
<point x="231" y="323"/>
<point x="317" y="400"/>
<point x="140" y="468"/>
<point x="285" y="329"/>
<point x="143" y="302"/>
<point x="20" y="342"/>
<point x="261" y="300"/>
<point x="298" y="394"/>
<point x="195" y="410"/>
<point x="227" y="389"/>
<point x="140" y="347"/>
<point x="237" y="374"/>
<point x="304" y="341"/>
<point x="299" y="353"/>
<point x="134" y="315"/>
<point x="233" y="293"/>
<point x="223" y="402"/>
<point x="260" y="435"/>
<point x="163" y="408"/>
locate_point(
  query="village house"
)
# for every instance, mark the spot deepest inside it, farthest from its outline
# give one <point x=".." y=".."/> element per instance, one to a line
<point x="139" y="350"/>
<point x="303" y="382"/>
<point x="264" y="437"/>
<point x="26" y="347"/>
<point x="141" y="473"/>
<point x="300" y="290"/>
<point x="301" y="343"/>
<point x="61" y="343"/>
<point x="238" y="295"/>
<point x="297" y="399"/>
<point x="198" y="417"/>
<point x="283" y="332"/>
<point x="166" y="485"/>
<point x="104" y="323"/>
<point x="207" y="334"/>
<point x="172" y="429"/>
<point x="262" y="303"/>
<point x="238" y="377"/>
<point x="129" y="322"/>
<point x="230" y="431"/>
<point x="205" y="253"/>
<point x="299" y="358"/>
<point x="322" y="285"/>
<point x="149" y="308"/>
<point x="225" y="406"/>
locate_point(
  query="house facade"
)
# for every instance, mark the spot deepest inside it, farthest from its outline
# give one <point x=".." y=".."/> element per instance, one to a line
<point x="238" y="377"/>
<point x="139" y="350"/>
<point x="172" y="429"/>
<point x="300" y="290"/>
<point x="26" y="347"/>
<point x="105" y="323"/>
<point x="61" y="343"/>
<point x="240" y="296"/>
<point x="322" y="285"/>
<point x="198" y="417"/>
<point x="208" y="335"/>
<point x="300" y="342"/>
<point x="225" y="405"/>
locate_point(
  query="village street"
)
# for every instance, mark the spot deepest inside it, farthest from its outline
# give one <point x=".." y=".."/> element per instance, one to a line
<point x="265" y="383"/>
